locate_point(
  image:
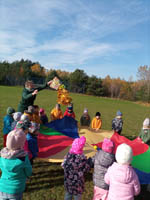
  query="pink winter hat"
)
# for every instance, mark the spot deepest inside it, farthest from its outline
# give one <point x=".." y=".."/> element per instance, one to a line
<point x="41" y="111"/>
<point x="16" y="140"/>
<point x="78" y="145"/>
<point x="107" y="145"/>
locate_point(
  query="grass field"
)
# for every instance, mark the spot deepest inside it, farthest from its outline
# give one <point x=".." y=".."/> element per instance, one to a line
<point x="47" y="180"/>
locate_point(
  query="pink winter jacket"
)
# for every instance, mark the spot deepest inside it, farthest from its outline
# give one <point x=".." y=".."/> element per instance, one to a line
<point x="123" y="182"/>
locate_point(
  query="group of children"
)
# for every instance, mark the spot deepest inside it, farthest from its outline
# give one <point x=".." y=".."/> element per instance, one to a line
<point x="113" y="175"/>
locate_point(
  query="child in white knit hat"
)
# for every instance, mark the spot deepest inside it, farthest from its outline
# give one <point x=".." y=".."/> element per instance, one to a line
<point x="15" y="166"/>
<point x="85" y="119"/>
<point x="16" y="117"/>
<point x="145" y="131"/>
<point x="121" y="177"/>
<point x="145" y="136"/>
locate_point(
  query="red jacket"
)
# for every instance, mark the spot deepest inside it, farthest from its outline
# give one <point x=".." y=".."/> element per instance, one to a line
<point x="66" y="113"/>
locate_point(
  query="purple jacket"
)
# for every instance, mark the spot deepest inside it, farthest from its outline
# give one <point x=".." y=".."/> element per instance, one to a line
<point x="123" y="182"/>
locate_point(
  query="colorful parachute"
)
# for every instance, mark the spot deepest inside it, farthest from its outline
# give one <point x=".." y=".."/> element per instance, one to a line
<point x="141" y="156"/>
<point x="56" y="137"/>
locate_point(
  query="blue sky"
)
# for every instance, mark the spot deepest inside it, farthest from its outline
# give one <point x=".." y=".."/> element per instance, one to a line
<point x="101" y="37"/>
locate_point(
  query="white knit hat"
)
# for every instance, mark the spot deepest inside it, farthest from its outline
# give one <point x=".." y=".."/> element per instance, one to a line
<point x="124" y="154"/>
<point x="146" y="123"/>
<point x="16" y="140"/>
<point x="85" y="110"/>
<point x="17" y="116"/>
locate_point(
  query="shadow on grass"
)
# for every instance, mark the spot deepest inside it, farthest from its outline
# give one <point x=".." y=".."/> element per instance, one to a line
<point x="45" y="176"/>
<point x="51" y="176"/>
<point x="48" y="173"/>
<point x="44" y="184"/>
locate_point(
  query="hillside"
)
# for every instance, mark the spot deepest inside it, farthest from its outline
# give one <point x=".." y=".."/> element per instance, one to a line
<point x="47" y="180"/>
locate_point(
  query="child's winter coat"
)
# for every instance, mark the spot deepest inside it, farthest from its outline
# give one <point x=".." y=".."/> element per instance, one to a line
<point x="102" y="161"/>
<point x="14" y="174"/>
<point x="125" y="182"/>
<point x="75" y="165"/>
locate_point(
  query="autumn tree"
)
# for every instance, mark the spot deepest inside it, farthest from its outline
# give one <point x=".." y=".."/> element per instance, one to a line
<point x="126" y="91"/>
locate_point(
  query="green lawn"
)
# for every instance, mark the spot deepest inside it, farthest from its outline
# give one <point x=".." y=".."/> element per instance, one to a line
<point x="47" y="180"/>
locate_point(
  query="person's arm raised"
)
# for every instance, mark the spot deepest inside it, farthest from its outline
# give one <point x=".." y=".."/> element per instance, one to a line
<point x="34" y="92"/>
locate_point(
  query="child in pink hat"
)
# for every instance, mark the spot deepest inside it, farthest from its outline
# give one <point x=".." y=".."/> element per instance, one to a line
<point x="75" y="165"/>
<point x="43" y="116"/>
<point x="102" y="160"/>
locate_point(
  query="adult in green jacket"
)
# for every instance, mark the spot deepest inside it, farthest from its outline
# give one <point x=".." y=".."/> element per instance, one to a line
<point x="29" y="95"/>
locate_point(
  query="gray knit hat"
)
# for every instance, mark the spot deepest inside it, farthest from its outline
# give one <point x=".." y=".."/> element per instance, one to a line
<point x="30" y="110"/>
<point x="17" y="116"/>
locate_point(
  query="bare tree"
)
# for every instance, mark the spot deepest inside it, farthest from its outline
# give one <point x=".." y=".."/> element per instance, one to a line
<point x="143" y="76"/>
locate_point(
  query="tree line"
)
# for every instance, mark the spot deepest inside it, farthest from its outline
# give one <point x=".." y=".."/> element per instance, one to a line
<point x="16" y="73"/>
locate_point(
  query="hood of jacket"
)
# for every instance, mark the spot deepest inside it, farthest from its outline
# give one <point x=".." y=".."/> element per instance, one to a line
<point x="11" y="165"/>
<point x="122" y="173"/>
<point x="104" y="159"/>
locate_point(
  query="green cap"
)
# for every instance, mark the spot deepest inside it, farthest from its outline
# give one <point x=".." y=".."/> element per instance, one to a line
<point x="10" y="110"/>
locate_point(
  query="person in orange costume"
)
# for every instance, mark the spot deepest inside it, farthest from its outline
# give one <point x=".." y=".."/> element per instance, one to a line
<point x="36" y="117"/>
<point x="96" y="122"/>
<point x="56" y="113"/>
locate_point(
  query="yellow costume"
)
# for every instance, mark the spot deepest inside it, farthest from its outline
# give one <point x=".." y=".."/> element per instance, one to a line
<point x="30" y="115"/>
<point x="56" y="114"/>
<point x="96" y="123"/>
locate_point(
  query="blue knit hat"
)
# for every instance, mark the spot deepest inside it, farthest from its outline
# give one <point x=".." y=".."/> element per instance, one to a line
<point x="119" y="113"/>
